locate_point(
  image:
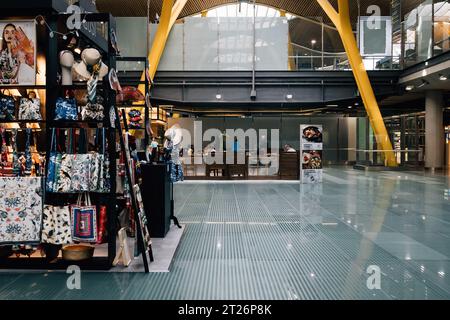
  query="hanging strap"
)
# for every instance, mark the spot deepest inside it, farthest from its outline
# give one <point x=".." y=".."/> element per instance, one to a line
<point x="104" y="142"/>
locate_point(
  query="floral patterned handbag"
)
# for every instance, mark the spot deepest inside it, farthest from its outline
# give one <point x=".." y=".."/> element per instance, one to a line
<point x="7" y="107"/>
<point x="30" y="109"/>
<point x="20" y="210"/>
<point x="66" y="109"/>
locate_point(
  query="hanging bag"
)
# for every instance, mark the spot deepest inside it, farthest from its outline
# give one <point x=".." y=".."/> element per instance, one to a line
<point x="56" y="226"/>
<point x="7" y="107"/>
<point x="52" y="168"/>
<point x="66" y="109"/>
<point x="80" y="170"/>
<point x="20" y="210"/>
<point x="84" y="220"/>
<point x="30" y="109"/>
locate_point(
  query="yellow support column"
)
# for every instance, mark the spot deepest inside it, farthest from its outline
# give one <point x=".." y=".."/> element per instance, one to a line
<point x="341" y="20"/>
<point x="169" y="15"/>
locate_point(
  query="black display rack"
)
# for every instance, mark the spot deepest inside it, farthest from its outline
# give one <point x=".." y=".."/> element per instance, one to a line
<point x="49" y="47"/>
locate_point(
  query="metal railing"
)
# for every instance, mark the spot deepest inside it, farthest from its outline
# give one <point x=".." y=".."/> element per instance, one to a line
<point x="341" y="63"/>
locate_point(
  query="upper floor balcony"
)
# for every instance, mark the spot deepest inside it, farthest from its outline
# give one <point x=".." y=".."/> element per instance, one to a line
<point x="266" y="40"/>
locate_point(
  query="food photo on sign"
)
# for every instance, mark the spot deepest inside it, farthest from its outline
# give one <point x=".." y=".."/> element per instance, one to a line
<point x="312" y="160"/>
<point x="312" y="134"/>
<point x="17" y="52"/>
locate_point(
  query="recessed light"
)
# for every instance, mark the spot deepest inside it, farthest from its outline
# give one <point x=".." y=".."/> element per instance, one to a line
<point x="289" y="96"/>
<point x="443" y="77"/>
<point x="218" y="96"/>
<point x="349" y="107"/>
<point x="409" y="88"/>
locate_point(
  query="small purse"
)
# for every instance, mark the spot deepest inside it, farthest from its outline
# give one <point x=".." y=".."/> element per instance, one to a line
<point x="66" y="109"/>
<point x="30" y="109"/>
<point x="7" y="108"/>
<point x="84" y="220"/>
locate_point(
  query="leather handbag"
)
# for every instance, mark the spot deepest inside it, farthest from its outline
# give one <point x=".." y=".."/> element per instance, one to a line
<point x="30" y="109"/>
<point x="7" y="108"/>
<point x="66" y="109"/>
<point x="84" y="220"/>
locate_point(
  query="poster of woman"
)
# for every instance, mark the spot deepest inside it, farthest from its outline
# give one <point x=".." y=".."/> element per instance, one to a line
<point x="17" y="53"/>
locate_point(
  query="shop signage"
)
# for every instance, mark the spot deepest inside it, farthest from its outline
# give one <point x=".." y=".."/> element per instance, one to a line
<point x="311" y="160"/>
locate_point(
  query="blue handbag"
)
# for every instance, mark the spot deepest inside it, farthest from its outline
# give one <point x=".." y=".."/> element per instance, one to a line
<point x="7" y="108"/>
<point x="66" y="109"/>
<point x="52" y="164"/>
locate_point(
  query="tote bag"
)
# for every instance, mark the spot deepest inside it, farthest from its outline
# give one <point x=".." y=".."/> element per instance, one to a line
<point x="84" y="220"/>
<point x="56" y="227"/>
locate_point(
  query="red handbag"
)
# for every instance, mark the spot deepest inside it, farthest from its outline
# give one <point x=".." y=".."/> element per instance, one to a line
<point x="102" y="221"/>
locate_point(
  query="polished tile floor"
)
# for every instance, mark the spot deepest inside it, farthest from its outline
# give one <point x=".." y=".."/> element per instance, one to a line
<point x="280" y="240"/>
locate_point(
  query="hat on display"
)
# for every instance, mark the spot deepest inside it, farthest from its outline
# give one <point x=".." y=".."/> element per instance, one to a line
<point x="174" y="134"/>
<point x="91" y="59"/>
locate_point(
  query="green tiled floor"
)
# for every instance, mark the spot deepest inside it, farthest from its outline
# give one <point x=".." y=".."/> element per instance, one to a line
<point x="270" y="240"/>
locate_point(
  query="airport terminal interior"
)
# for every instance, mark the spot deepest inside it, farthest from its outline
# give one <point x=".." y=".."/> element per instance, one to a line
<point x="225" y="149"/>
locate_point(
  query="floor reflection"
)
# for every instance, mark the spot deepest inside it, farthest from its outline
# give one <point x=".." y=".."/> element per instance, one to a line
<point x="280" y="240"/>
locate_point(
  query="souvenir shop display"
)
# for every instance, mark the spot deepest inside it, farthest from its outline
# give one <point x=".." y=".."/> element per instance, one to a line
<point x="59" y="207"/>
<point x="61" y="204"/>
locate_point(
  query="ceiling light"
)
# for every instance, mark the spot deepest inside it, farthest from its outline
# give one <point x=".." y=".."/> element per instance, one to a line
<point x="349" y="107"/>
<point x="356" y="104"/>
<point x="313" y="42"/>
<point x="442" y="77"/>
<point x="409" y="88"/>
<point x="332" y="105"/>
<point x="218" y="96"/>
<point x="289" y="96"/>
